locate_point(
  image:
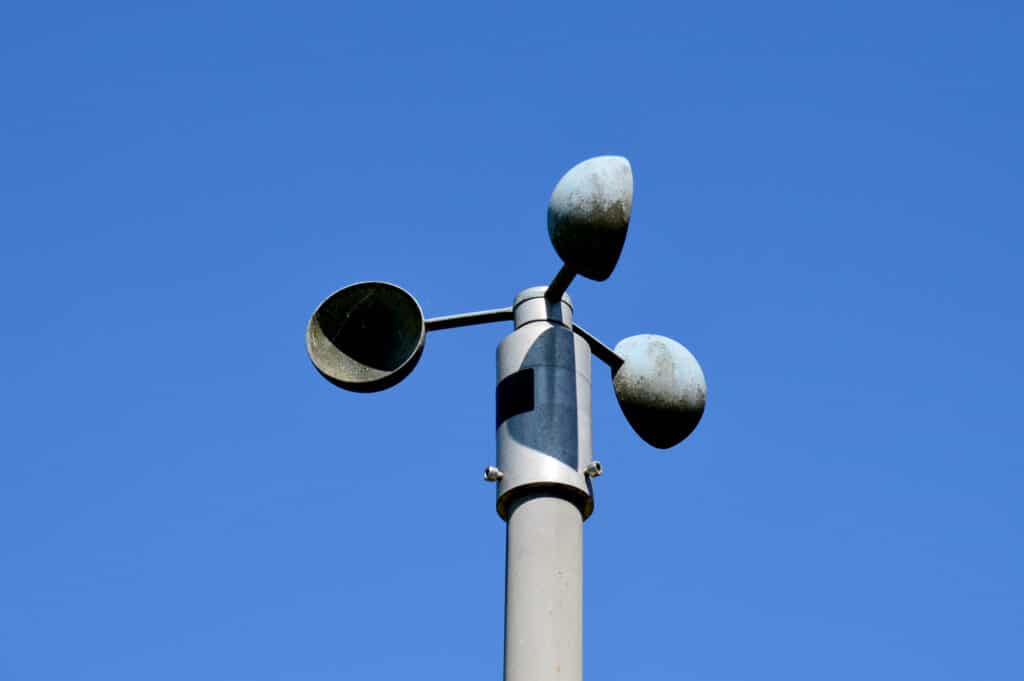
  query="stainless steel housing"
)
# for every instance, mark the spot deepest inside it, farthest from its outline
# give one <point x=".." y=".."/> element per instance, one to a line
<point x="543" y="405"/>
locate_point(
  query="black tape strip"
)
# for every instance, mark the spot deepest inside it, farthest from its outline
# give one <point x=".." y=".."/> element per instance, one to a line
<point x="514" y="395"/>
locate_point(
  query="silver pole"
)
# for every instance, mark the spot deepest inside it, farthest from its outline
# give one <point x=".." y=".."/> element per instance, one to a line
<point x="544" y="492"/>
<point x="544" y="590"/>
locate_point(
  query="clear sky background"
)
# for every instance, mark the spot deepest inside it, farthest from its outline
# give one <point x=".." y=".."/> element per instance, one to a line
<point x="827" y="213"/>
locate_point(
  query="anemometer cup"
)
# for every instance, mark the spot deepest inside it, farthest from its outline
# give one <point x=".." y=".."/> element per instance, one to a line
<point x="366" y="337"/>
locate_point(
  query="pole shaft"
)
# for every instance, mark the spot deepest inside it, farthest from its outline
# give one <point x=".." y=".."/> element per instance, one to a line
<point x="544" y="452"/>
<point x="544" y="590"/>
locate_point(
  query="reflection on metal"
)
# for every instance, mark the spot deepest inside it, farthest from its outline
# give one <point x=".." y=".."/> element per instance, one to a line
<point x="367" y="336"/>
<point x="588" y="215"/>
<point x="660" y="387"/>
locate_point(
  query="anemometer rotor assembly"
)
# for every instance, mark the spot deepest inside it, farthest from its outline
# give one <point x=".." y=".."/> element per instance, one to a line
<point x="368" y="336"/>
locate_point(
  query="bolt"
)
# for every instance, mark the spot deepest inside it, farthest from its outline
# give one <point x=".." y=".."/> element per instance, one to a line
<point x="594" y="470"/>
<point x="493" y="474"/>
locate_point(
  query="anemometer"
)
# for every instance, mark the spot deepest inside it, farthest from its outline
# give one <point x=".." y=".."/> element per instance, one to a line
<point x="368" y="336"/>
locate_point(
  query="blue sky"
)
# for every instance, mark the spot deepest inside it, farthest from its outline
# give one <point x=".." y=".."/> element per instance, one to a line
<point x="827" y="213"/>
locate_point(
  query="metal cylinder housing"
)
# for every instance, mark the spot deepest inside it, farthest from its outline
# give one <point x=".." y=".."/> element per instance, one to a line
<point x="544" y="435"/>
